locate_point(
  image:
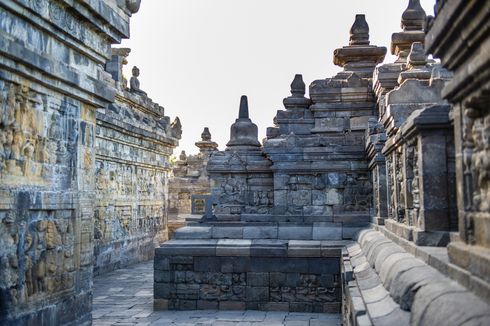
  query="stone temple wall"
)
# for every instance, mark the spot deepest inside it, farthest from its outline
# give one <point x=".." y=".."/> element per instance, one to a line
<point x="52" y="82"/>
<point x="134" y="141"/>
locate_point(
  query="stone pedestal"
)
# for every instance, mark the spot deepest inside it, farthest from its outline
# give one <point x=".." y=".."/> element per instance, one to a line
<point x="233" y="274"/>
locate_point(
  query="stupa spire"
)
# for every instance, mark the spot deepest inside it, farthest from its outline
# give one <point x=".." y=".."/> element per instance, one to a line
<point x="413" y="18"/>
<point x="243" y="113"/>
<point x="359" y="32"/>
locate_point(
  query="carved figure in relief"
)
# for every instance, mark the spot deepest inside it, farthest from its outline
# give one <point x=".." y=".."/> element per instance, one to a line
<point x="7" y="142"/>
<point x="3" y="152"/>
<point x="485" y="173"/>
<point x="48" y="151"/>
<point x="390" y="190"/>
<point x="28" y="152"/>
<point x="11" y="106"/>
<point x="415" y="187"/>
<point x="55" y="128"/>
<point x="468" y="146"/>
<point x="232" y="189"/>
<point x="477" y="163"/>
<point x="400" y="186"/>
<point x="16" y="144"/>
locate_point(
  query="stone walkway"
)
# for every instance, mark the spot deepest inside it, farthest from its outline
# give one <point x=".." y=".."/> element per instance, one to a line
<point x="125" y="297"/>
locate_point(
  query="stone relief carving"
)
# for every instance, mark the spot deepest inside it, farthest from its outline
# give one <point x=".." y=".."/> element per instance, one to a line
<point x="410" y="165"/>
<point x="46" y="260"/>
<point x="116" y="221"/>
<point x="390" y="187"/>
<point x="400" y="184"/>
<point x="31" y="136"/>
<point x="376" y="192"/>
<point x="415" y="187"/>
<point x="358" y="192"/>
<point x="476" y="161"/>
<point x="232" y="191"/>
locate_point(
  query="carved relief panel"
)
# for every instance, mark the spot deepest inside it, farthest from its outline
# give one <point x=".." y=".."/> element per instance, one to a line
<point x="39" y="256"/>
<point x="476" y="158"/>
<point x="38" y="136"/>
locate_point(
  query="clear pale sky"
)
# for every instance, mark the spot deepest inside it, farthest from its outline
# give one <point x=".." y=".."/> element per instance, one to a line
<point x="197" y="57"/>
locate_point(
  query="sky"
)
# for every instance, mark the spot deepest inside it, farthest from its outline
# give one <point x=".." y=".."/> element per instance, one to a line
<point x="197" y="57"/>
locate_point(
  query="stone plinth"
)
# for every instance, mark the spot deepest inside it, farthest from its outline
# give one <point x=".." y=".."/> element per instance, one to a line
<point x="232" y="274"/>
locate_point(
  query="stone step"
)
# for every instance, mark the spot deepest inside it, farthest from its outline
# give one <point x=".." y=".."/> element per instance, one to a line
<point x="284" y="231"/>
<point x="255" y="248"/>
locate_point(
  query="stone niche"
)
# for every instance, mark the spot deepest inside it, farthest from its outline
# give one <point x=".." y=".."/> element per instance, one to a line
<point x="189" y="186"/>
<point x="133" y="144"/>
<point x="52" y="81"/>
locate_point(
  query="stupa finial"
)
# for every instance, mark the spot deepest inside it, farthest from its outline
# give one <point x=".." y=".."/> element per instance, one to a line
<point x="298" y="86"/>
<point x="359" y="32"/>
<point x="243" y="113"/>
<point x="414" y="17"/>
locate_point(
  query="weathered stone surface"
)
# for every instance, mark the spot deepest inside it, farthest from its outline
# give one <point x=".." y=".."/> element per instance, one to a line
<point x="133" y="145"/>
<point x="52" y="82"/>
<point x="189" y="186"/>
<point x="405" y="284"/>
<point x="469" y="94"/>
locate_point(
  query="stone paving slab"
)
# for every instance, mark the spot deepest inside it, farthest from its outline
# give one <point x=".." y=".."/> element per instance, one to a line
<point x="125" y="297"/>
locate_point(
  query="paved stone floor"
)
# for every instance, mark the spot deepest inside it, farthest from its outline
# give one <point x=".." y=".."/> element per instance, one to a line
<point x="125" y="297"/>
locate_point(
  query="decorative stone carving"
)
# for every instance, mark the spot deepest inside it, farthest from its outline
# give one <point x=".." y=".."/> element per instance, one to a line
<point x="133" y="5"/>
<point x="176" y="128"/>
<point x="134" y="83"/>
<point x="240" y="171"/>
<point x="134" y="142"/>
